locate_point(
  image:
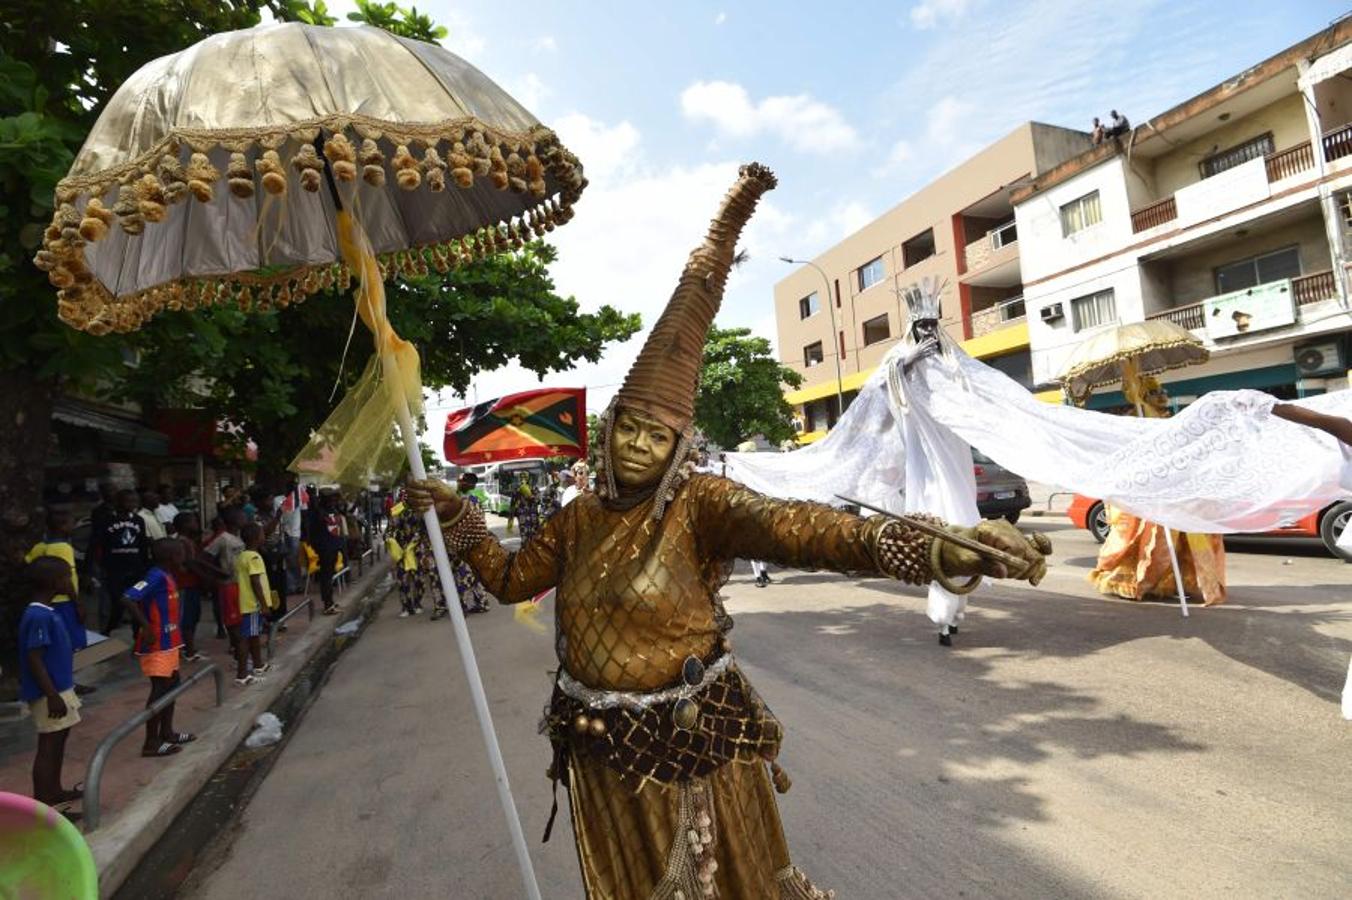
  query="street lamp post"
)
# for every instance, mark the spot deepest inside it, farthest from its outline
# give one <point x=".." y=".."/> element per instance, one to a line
<point x="835" y="339"/>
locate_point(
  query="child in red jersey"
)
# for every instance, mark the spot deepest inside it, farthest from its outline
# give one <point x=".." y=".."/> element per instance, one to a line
<point x="154" y="605"/>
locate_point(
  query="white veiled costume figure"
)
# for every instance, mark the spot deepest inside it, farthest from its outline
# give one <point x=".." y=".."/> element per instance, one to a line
<point x="1223" y="465"/>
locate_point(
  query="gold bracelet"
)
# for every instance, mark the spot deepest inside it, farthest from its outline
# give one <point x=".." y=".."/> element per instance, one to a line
<point x="937" y="569"/>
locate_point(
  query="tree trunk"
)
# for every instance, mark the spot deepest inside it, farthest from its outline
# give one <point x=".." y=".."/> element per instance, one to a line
<point x="26" y="417"/>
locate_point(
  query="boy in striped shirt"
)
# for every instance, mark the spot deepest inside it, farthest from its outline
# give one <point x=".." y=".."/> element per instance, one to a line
<point x="154" y="605"/>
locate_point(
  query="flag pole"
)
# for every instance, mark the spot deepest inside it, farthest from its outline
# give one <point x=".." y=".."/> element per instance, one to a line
<point x="409" y="434"/>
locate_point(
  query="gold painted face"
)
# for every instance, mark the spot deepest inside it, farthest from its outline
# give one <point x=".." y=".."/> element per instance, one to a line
<point x="640" y="449"/>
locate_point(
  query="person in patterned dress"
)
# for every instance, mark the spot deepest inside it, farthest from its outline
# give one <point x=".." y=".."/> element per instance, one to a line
<point x="473" y="597"/>
<point x="526" y="511"/>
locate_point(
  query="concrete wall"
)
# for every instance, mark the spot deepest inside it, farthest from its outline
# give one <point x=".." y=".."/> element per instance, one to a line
<point x="1192" y="278"/>
<point x="1181" y="167"/>
<point x="1043" y="250"/>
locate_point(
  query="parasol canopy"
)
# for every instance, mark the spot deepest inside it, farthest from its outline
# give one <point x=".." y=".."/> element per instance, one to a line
<point x="201" y="182"/>
<point x="1146" y="348"/>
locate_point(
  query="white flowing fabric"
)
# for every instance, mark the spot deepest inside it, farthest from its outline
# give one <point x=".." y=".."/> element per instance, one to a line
<point x="1223" y="465"/>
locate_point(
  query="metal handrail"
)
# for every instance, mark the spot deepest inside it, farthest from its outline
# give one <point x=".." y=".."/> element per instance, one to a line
<point x="308" y="603"/>
<point x="94" y="775"/>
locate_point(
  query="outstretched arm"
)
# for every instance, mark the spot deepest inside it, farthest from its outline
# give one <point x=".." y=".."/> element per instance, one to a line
<point x="511" y="576"/>
<point x="737" y="522"/>
<point x="1338" y="427"/>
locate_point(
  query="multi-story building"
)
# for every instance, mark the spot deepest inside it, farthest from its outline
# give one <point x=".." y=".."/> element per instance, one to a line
<point x="1229" y="214"/>
<point x="839" y="315"/>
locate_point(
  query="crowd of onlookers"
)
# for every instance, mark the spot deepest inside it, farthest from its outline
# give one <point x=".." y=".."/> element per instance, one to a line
<point x="153" y="567"/>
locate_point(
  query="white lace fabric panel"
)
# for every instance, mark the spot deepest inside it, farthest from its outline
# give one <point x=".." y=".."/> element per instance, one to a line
<point x="1225" y="464"/>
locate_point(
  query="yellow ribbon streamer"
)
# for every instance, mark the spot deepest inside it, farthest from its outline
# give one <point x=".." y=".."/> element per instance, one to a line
<point x="358" y="444"/>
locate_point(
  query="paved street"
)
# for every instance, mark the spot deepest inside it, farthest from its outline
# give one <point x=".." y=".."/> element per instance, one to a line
<point x="1067" y="746"/>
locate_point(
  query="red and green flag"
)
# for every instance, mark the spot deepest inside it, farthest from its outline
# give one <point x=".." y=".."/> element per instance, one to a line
<point x="528" y="425"/>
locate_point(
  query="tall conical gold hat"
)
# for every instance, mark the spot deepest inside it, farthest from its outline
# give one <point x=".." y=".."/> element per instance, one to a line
<point x="665" y="376"/>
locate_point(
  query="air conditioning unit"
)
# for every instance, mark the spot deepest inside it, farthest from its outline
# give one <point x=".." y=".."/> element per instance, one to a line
<point x="1321" y="359"/>
<point x="1053" y="312"/>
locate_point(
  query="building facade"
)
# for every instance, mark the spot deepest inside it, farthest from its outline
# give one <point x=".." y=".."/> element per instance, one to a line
<point x="1229" y="215"/>
<point x="839" y="315"/>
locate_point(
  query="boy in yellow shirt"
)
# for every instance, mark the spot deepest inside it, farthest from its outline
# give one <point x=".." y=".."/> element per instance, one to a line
<point x="255" y="593"/>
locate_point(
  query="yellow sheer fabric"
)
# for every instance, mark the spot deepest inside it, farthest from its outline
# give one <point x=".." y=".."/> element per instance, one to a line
<point x="357" y="443"/>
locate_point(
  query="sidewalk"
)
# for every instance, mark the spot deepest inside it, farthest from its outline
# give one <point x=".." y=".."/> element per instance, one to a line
<point x="141" y="797"/>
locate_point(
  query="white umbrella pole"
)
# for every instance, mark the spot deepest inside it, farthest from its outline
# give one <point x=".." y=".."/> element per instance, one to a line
<point x="476" y="686"/>
<point x="1173" y="554"/>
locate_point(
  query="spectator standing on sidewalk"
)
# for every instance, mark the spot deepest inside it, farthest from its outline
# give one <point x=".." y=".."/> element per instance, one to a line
<point x="292" y="507"/>
<point x="251" y="574"/>
<point x="166" y="512"/>
<point x="225" y="549"/>
<point x="325" y="534"/>
<point x="186" y="502"/>
<point x="154" y="528"/>
<point x="154" y="605"/>
<point x="56" y="543"/>
<point x="197" y="575"/>
<point x="46" y="675"/>
<point x="123" y="550"/>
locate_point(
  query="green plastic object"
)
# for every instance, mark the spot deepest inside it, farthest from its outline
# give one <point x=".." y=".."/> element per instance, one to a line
<point x="42" y="855"/>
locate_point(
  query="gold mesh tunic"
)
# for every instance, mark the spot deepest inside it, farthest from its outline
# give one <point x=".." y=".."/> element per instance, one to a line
<point x="635" y="599"/>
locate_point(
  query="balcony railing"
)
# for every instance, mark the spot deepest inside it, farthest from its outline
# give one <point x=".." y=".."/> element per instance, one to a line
<point x="979" y="251"/>
<point x="1338" y="143"/>
<point x="1008" y="312"/>
<point x="1155" y="214"/>
<point x="1314" y="287"/>
<point x="1305" y="290"/>
<point x="1290" y="162"/>
<point x="1191" y="317"/>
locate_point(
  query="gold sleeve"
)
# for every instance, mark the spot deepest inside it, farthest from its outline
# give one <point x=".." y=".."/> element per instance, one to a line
<point x="511" y="576"/>
<point x="735" y="522"/>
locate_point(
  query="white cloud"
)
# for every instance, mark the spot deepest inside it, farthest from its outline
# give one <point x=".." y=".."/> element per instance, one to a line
<point x="546" y="43"/>
<point x="720" y="18"/>
<point x="900" y="154"/>
<point x="928" y="13"/>
<point x="463" y="38"/>
<point x="530" y="91"/>
<point x="806" y="124"/>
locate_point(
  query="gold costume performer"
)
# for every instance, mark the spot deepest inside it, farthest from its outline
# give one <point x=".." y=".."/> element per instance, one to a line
<point x="666" y="751"/>
<point x="1133" y="562"/>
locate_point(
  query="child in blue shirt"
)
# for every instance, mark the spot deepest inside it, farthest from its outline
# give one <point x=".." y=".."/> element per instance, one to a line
<point x="46" y="675"/>
<point x="57" y="543"/>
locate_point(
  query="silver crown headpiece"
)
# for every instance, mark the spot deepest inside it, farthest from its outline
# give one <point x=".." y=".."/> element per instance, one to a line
<point x="923" y="299"/>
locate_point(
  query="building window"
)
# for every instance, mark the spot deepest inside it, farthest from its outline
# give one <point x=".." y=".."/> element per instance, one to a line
<point x="917" y="248"/>
<point x="1080" y="213"/>
<point x="809" y="305"/>
<point x="812" y="355"/>
<point x="876" y="329"/>
<point x="1255" y="270"/>
<point x="1237" y="156"/>
<point x="870" y="273"/>
<point x="1004" y="235"/>
<point x="1094" y="310"/>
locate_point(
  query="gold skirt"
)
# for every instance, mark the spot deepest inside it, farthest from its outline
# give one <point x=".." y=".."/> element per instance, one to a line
<point x="718" y="836"/>
<point x="1134" y="561"/>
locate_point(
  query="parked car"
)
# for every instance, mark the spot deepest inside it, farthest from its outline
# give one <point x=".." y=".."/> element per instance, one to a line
<point x="1324" y="526"/>
<point x="999" y="492"/>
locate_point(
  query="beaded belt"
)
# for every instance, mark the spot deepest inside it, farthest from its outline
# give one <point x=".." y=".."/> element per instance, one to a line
<point x="669" y="736"/>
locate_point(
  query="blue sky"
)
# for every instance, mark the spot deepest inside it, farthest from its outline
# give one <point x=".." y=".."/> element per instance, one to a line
<point x="854" y="105"/>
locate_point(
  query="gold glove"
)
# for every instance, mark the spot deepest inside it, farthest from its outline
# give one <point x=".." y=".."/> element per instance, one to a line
<point x="1033" y="550"/>
<point x="431" y="492"/>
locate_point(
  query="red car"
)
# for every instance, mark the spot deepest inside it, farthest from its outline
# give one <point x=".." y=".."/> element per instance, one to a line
<point x="1325" y="525"/>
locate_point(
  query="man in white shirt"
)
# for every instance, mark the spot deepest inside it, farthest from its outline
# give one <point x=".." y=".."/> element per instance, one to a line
<point x="291" y="505"/>
<point x="166" y="511"/>
<point x="154" y="527"/>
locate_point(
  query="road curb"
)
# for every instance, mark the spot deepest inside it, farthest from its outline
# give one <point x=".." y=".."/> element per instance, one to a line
<point x="120" y="844"/>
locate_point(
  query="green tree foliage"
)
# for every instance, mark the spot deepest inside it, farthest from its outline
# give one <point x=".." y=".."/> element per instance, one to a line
<point x="741" y="390"/>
